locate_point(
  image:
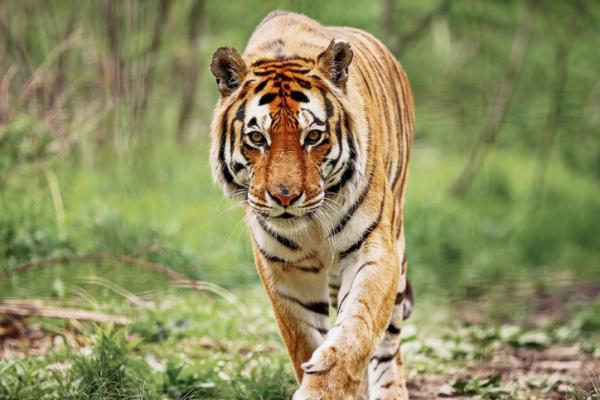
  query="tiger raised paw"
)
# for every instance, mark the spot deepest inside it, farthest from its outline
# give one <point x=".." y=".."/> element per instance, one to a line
<point x="312" y="134"/>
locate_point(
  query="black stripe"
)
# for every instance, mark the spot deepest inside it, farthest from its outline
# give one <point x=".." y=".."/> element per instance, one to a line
<point x="316" y="120"/>
<point x="348" y="215"/>
<point x="360" y="269"/>
<point x="342" y="301"/>
<point x="261" y="86"/>
<point x="313" y="270"/>
<point x="270" y="257"/>
<point x="267" y="98"/>
<point x="352" y="283"/>
<point x="288" y="264"/>
<point x="328" y="104"/>
<point x="264" y="73"/>
<point x="289" y="61"/>
<point x="316" y="372"/>
<point x="393" y="330"/>
<point x="237" y="167"/>
<point x="322" y="331"/>
<point x="385" y="358"/>
<point x="239" y="116"/>
<point x="224" y="169"/>
<point x="283" y="77"/>
<point x="316" y="307"/>
<point x="350" y="167"/>
<point x="349" y="136"/>
<point x="399" y="298"/>
<point x="299" y="96"/>
<point x="273" y="70"/>
<point x="381" y="374"/>
<point x="304" y="84"/>
<point x="253" y="122"/>
<point x="338" y="135"/>
<point x="312" y="203"/>
<point x="367" y="232"/>
<point x="280" y="238"/>
<point x="241" y="112"/>
<point x="346" y="176"/>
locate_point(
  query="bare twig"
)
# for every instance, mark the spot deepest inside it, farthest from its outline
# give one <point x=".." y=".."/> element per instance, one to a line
<point x="499" y="106"/>
<point x="178" y="278"/>
<point x="36" y="77"/>
<point x="105" y="283"/>
<point x="29" y="309"/>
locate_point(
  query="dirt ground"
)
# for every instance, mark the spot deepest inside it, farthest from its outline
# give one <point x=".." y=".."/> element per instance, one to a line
<point x="553" y="373"/>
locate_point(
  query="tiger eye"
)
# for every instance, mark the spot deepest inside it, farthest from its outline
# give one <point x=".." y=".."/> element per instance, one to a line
<point x="257" y="137"/>
<point x="313" y="136"/>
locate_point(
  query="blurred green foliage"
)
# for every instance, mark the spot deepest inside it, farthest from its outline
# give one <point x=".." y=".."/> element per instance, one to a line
<point x="94" y="95"/>
<point x="104" y="114"/>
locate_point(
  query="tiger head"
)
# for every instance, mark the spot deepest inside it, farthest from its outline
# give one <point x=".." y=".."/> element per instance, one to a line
<point x="280" y="132"/>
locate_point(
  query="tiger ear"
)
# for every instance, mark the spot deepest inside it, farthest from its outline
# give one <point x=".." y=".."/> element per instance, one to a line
<point x="334" y="62"/>
<point x="229" y="68"/>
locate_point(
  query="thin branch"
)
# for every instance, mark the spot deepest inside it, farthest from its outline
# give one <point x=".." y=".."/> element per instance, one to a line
<point x="178" y="278"/>
<point x="499" y="106"/>
<point x="29" y="309"/>
<point x="36" y="78"/>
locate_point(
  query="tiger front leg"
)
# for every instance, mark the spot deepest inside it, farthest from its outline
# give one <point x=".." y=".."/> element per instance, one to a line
<point x="365" y="302"/>
<point x="298" y="295"/>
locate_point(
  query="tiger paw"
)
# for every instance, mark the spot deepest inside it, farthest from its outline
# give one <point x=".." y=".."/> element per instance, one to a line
<point x="391" y="391"/>
<point x="318" y="394"/>
<point x="327" y="376"/>
<point x="322" y="361"/>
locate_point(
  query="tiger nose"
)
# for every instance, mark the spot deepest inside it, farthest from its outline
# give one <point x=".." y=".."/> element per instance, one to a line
<point x="284" y="198"/>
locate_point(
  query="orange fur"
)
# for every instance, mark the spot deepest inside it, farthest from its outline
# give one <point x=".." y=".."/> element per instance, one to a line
<point x="345" y="235"/>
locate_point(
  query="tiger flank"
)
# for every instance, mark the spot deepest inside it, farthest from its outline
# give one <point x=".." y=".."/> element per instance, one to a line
<point x="312" y="134"/>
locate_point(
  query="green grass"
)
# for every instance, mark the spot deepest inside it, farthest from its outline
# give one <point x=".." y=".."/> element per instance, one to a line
<point x="189" y="345"/>
<point x="458" y="247"/>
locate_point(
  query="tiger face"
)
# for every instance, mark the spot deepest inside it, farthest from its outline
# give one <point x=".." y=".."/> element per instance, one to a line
<point x="278" y="141"/>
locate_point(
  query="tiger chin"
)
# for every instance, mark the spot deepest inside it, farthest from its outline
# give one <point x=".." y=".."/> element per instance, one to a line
<point x="312" y="134"/>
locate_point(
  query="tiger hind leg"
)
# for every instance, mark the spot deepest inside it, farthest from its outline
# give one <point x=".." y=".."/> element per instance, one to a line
<point x="385" y="369"/>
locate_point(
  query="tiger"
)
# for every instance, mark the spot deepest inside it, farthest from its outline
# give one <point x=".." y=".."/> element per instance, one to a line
<point x="311" y="134"/>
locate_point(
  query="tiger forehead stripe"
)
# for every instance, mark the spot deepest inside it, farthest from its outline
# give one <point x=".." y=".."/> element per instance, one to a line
<point x="296" y="61"/>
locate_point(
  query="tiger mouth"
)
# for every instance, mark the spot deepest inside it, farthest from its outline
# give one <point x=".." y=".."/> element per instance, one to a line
<point x="286" y="215"/>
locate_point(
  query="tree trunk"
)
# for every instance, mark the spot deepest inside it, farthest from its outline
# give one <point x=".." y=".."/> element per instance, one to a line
<point x="403" y="42"/>
<point x="499" y="106"/>
<point x="161" y="17"/>
<point x="551" y="127"/>
<point x="115" y="65"/>
<point x="197" y="20"/>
